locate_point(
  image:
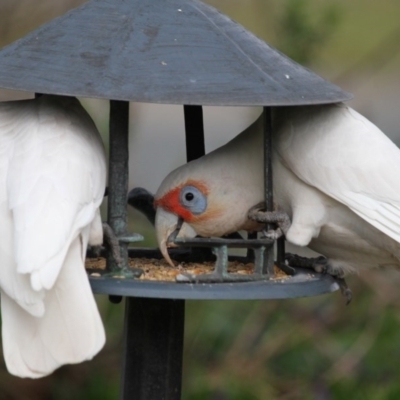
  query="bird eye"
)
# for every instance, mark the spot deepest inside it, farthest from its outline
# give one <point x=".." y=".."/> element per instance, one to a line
<point x="193" y="199"/>
<point x="189" y="196"/>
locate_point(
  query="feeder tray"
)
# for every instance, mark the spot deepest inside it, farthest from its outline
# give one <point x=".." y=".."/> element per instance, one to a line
<point x="159" y="277"/>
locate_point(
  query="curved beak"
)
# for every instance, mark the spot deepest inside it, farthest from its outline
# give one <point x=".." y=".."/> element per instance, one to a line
<point x="166" y="223"/>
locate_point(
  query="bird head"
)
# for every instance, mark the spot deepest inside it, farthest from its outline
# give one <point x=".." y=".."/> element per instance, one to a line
<point x="186" y="207"/>
<point x="204" y="199"/>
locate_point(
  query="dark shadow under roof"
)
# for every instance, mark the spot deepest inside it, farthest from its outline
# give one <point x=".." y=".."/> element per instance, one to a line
<point x="158" y="51"/>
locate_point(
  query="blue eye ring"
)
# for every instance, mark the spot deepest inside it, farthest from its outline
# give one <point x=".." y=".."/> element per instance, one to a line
<point x="193" y="199"/>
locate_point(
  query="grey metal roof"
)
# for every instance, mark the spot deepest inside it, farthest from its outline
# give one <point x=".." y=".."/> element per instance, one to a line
<point x="158" y="51"/>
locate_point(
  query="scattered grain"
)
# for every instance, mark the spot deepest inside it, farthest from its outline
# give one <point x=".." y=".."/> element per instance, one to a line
<point x="160" y="270"/>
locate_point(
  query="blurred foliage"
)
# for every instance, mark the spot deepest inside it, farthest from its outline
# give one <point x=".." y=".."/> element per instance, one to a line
<point x="314" y="348"/>
<point x="301" y="32"/>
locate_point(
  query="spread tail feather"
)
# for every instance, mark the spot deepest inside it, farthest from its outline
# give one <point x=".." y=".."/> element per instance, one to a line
<point x="70" y="331"/>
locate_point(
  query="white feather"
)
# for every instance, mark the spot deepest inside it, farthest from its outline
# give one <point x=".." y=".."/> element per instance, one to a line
<point x="341" y="153"/>
<point x="334" y="173"/>
<point x="52" y="180"/>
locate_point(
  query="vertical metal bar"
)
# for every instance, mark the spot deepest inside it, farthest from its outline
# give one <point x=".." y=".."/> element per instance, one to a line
<point x="194" y="134"/>
<point x="280" y="251"/>
<point x="267" y="119"/>
<point x="221" y="265"/>
<point x="268" y="196"/>
<point x="153" y="343"/>
<point x="259" y="257"/>
<point x="118" y="176"/>
<point x="153" y="328"/>
<point x="194" y="130"/>
<point x="250" y="252"/>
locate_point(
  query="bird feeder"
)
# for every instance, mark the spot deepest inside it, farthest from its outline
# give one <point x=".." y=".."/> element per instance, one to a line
<point x="150" y="51"/>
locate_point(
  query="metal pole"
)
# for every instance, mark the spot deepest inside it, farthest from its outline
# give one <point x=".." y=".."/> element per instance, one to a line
<point x="194" y="129"/>
<point x="268" y="196"/>
<point x="153" y="348"/>
<point x="118" y="177"/>
<point x="153" y="328"/>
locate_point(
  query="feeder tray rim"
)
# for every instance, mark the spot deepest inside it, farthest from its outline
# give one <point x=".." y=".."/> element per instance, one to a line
<point x="303" y="284"/>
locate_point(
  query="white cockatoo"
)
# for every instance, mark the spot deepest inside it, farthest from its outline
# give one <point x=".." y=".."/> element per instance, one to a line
<point x="335" y="174"/>
<point x="52" y="181"/>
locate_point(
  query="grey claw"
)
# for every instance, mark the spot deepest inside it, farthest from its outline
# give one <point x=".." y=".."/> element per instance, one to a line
<point x="323" y="266"/>
<point x="344" y="289"/>
<point x="273" y="234"/>
<point x="279" y="218"/>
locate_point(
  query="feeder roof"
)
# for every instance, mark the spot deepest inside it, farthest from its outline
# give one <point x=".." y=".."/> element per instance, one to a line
<point x="158" y="51"/>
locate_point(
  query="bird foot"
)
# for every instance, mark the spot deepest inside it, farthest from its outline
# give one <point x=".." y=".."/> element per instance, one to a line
<point x="279" y="218"/>
<point x="321" y="265"/>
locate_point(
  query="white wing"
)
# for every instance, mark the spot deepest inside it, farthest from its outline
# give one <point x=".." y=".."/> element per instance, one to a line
<point x="70" y="332"/>
<point x="55" y="183"/>
<point x="341" y="153"/>
<point x="52" y="180"/>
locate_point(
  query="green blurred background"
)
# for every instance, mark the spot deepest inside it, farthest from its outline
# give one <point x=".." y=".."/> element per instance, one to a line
<point x="314" y="348"/>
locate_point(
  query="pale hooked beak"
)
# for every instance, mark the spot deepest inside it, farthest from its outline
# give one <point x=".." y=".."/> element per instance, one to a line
<point x="166" y="223"/>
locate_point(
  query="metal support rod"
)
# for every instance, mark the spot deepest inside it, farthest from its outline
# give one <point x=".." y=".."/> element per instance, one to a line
<point x="194" y="129"/>
<point x="280" y="250"/>
<point x="267" y="119"/>
<point x="268" y="196"/>
<point x="250" y="252"/>
<point x="194" y="132"/>
<point x="154" y="328"/>
<point x="118" y="176"/>
<point x="153" y="343"/>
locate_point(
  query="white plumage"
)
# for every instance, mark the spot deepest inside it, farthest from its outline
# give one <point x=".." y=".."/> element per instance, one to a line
<point x="336" y="175"/>
<point x="52" y="182"/>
